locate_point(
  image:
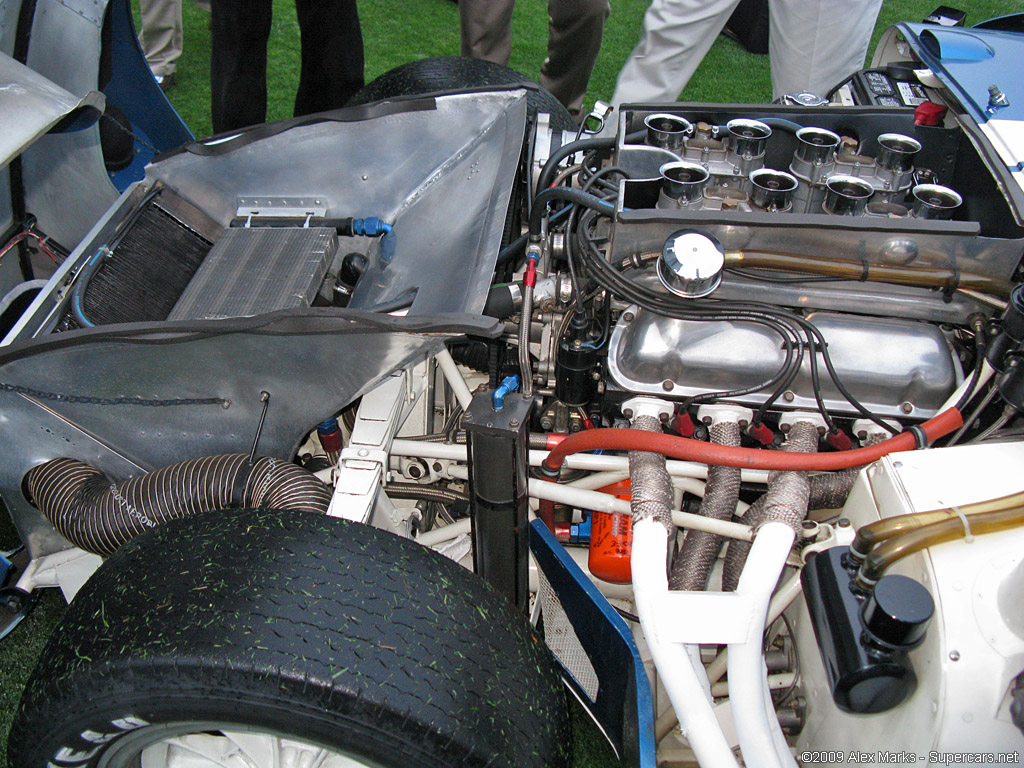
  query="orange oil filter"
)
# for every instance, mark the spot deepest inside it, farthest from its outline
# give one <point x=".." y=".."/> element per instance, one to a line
<point x="611" y="540"/>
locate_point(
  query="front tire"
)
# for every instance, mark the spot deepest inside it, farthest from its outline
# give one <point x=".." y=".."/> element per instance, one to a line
<point x="297" y="631"/>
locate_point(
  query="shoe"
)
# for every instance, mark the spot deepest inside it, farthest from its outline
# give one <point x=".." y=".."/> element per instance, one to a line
<point x="166" y="82"/>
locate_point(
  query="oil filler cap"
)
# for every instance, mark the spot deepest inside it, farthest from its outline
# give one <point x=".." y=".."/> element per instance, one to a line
<point x="691" y="264"/>
<point x="897" y="612"/>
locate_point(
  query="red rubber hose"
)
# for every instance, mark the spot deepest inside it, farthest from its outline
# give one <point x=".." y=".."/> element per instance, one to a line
<point x="745" y="458"/>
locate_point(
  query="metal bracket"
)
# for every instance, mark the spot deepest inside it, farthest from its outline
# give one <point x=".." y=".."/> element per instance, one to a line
<point x="307" y="208"/>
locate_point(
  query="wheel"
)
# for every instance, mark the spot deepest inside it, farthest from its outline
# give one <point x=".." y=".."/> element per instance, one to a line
<point x="258" y="639"/>
<point x="456" y="73"/>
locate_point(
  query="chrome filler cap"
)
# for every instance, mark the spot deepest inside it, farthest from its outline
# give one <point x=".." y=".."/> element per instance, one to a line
<point x="691" y="264"/>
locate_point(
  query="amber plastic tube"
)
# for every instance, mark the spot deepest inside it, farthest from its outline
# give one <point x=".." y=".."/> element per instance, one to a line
<point x="870" y="536"/>
<point x="898" y="547"/>
<point x="928" y="277"/>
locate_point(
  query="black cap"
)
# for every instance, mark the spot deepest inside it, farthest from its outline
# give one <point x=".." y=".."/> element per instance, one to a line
<point x="897" y="612"/>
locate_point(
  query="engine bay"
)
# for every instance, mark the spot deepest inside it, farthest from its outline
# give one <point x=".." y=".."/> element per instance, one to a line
<point x="699" y="354"/>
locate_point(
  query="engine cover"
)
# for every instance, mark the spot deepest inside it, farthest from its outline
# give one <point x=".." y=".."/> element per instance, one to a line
<point x="893" y="367"/>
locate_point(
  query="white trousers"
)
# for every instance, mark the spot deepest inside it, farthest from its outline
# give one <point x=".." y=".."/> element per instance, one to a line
<point x="813" y="45"/>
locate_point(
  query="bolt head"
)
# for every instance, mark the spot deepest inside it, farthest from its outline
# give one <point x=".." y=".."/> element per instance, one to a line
<point x="628" y="317"/>
<point x="843" y="522"/>
<point x="954" y="655"/>
<point x="788" y="396"/>
<point x="906" y="407"/>
<point x="668" y="385"/>
<point x="628" y="413"/>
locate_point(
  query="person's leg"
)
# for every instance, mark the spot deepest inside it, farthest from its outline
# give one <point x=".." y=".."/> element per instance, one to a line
<point x="161" y="34"/>
<point x="815" y="45"/>
<point x="676" y="36"/>
<point x="485" y="27"/>
<point x="574" y="40"/>
<point x="239" y="30"/>
<point x="332" y="54"/>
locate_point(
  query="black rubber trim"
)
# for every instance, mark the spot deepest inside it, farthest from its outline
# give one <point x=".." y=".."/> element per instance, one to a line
<point x="344" y="115"/>
<point x="288" y="322"/>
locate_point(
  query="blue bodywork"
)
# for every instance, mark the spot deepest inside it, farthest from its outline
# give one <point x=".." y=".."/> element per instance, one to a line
<point x="968" y="61"/>
<point x="624" y="706"/>
<point x="131" y="88"/>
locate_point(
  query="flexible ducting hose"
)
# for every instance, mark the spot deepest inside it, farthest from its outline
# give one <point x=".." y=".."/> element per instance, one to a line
<point x="98" y="515"/>
<point x="693" y="562"/>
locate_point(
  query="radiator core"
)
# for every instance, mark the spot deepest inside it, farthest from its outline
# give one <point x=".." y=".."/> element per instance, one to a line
<point x="252" y="271"/>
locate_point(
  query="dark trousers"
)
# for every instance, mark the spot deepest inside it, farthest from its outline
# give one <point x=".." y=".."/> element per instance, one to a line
<point x="332" y="58"/>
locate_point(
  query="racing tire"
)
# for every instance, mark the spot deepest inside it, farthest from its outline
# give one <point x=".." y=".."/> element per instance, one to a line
<point x="244" y="637"/>
<point x="453" y="74"/>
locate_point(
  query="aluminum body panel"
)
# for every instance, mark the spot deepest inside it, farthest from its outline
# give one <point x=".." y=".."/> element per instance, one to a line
<point x="303" y="358"/>
<point x="65" y="48"/>
<point x="968" y="61"/>
<point x="441" y="176"/>
<point x="885" y="363"/>
<point x="30" y="105"/>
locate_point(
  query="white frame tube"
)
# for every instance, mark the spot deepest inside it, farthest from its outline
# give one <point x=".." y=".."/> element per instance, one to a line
<point x="761" y="739"/>
<point x="687" y="686"/>
<point x="605" y="502"/>
<point x="588" y="461"/>
<point x="450" y="369"/>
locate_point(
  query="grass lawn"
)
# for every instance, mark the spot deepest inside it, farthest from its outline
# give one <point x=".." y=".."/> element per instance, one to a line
<point x="395" y="33"/>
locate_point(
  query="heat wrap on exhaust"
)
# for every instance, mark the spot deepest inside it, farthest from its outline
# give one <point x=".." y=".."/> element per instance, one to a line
<point x="98" y="515"/>
<point x="786" y="501"/>
<point x="695" y="559"/>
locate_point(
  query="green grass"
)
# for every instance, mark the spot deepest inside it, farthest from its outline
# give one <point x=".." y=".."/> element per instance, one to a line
<point x="395" y="33"/>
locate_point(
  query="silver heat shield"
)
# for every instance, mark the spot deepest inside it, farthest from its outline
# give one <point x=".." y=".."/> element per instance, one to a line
<point x="894" y="367"/>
